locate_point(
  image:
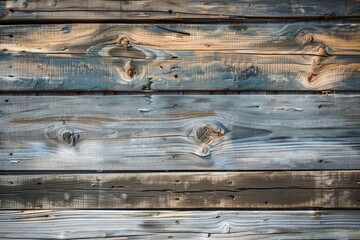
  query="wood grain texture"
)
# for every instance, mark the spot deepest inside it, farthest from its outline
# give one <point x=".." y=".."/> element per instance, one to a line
<point x="174" y="132"/>
<point x="96" y="10"/>
<point x="273" y="56"/>
<point x="115" y="224"/>
<point x="334" y="189"/>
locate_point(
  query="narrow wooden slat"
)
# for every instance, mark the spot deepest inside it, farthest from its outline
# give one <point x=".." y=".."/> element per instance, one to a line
<point x="336" y="189"/>
<point x="96" y="10"/>
<point x="273" y="56"/>
<point x="105" y="224"/>
<point x="189" y="132"/>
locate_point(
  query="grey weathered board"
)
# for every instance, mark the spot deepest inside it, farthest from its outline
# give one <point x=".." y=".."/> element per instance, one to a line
<point x="119" y="57"/>
<point x="300" y="189"/>
<point x="180" y="132"/>
<point x="115" y="224"/>
<point x="96" y="10"/>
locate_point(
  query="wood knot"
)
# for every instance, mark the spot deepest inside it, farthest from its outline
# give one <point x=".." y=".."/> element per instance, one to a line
<point x="310" y="76"/>
<point x="207" y="133"/>
<point x="203" y="134"/>
<point x="124" y="42"/>
<point x="68" y="137"/>
<point x="321" y="51"/>
<point x="129" y="70"/>
<point x="308" y="38"/>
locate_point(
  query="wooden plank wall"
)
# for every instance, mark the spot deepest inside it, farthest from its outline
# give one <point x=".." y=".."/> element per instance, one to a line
<point x="179" y="119"/>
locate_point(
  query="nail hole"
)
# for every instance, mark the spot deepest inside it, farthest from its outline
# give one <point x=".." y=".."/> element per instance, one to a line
<point x="175" y="76"/>
<point x="230" y="183"/>
<point x="232" y="197"/>
<point x="170" y="11"/>
<point x="266" y="202"/>
<point x="319" y="106"/>
<point x="161" y="67"/>
<point x="6" y="100"/>
<point x="177" y="222"/>
<point x="177" y="181"/>
<point x="38" y="183"/>
<point x="11" y="36"/>
<point x="177" y="199"/>
<point x="321" y="161"/>
<point x="11" y="10"/>
<point x="11" y="182"/>
<point x="10" y="154"/>
<point x="112" y="187"/>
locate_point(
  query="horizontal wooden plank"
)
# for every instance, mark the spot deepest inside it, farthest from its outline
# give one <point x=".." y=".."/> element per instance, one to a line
<point x="273" y="56"/>
<point x="180" y="132"/>
<point x="96" y="10"/>
<point x="323" y="189"/>
<point x="115" y="224"/>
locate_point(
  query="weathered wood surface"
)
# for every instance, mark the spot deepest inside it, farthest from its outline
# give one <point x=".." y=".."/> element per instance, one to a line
<point x="273" y="56"/>
<point x="96" y="10"/>
<point x="322" y="189"/>
<point x="180" y="132"/>
<point x="107" y="224"/>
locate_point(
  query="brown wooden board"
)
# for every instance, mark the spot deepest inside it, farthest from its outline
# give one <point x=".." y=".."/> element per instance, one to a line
<point x="322" y="189"/>
<point x="96" y="10"/>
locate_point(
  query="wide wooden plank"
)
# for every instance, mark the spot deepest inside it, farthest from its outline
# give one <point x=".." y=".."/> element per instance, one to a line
<point x="115" y="224"/>
<point x="180" y="132"/>
<point x="334" y="189"/>
<point x="96" y="10"/>
<point x="252" y="56"/>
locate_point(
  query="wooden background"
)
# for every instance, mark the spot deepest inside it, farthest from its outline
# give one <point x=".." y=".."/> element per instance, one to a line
<point x="179" y="119"/>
